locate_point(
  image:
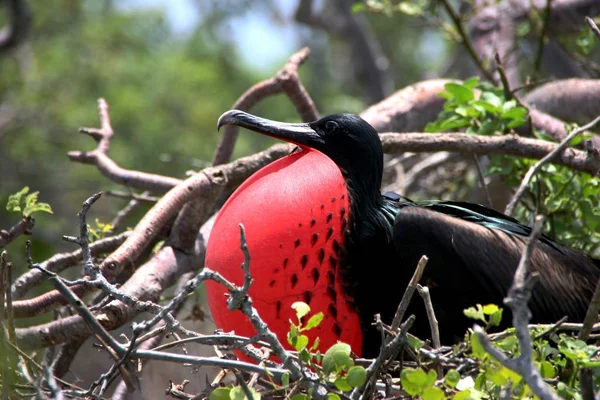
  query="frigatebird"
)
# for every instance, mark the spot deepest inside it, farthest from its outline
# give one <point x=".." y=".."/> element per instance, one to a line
<point x="319" y="230"/>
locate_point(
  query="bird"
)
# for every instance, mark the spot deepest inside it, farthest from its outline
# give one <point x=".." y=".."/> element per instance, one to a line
<point x="320" y="231"/>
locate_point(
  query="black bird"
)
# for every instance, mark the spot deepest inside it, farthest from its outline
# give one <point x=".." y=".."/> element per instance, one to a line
<point x="377" y="241"/>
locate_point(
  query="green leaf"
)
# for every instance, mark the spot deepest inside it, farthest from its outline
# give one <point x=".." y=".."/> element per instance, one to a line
<point x="301" y="308"/>
<point x="304" y="355"/>
<point x="547" y="369"/>
<point x="300" y="396"/>
<point x="493" y="100"/>
<point x="475" y="313"/>
<point x="477" y="348"/>
<point x="414" y="381"/>
<point x="461" y="93"/>
<point x="237" y="393"/>
<point x="337" y="358"/>
<point x="357" y="376"/>
<point x="342" y="384"/>
<point x="471" y="83"/>
<point x="292" y="335"/>
<point x="314" y="321"/>
<point x="301" y="342"/>
<point x="433" y="393"/>
<point x="431" y="377"/>
<point x="221" y="393"/>
<point x="16" y="202"/>
<point x="333" y="396"/>
<point x="453" y="122"/>
<point x="42" y="207"/>
<point x="358" y="7"/>
<point x="495" y="314"/>
<point x="452" y="377"/>
<point x="488" y="127"/>
<point x="285" y="379"/>
<point x="315" y="344"/>
<point x="517" y="113"/>
<point x="415" y="342"/>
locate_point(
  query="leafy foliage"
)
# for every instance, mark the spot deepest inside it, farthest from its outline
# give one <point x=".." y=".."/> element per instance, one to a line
<point x="477" y="107"/>
<point x="481" y="109"/>
<point x="26" y="203"/>
<point x="490" y="314"/>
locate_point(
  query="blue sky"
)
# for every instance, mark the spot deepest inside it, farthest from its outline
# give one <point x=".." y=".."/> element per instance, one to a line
<point x="250" y="33"/>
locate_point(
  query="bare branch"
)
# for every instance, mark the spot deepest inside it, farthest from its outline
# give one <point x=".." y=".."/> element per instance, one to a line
<point x="593" y="26"/>
<point x="108" y="168"/>
<point x="510" y="145"/>
<point x="23" y="227"/>
<point x="408" y="293"/>
<point x="467" y="41"/>
<point x="61" y="261"/>
<point x="591" y="317"/>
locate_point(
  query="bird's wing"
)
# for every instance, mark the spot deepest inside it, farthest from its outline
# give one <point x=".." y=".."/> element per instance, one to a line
<point x="474" y="251"/>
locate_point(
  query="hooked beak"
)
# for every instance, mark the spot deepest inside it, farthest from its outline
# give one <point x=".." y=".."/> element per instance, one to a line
<point x="300" y="134"/>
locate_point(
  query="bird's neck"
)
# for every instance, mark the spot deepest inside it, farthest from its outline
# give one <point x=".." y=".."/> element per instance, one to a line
<point x="370" y="214"/>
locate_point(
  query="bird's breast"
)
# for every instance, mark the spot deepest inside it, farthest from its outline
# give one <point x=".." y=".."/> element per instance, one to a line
<point x="295" y="212"/>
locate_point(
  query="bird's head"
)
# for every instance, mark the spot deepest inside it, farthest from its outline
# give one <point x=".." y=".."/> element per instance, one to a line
<point x="346" y="139"/>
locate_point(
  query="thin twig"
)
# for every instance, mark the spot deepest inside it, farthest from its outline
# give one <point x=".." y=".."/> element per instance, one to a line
<point x="517" y="299"/>
<point x="482" y="182"/>
<point x="510" y="208"/>
<point x="591" y="317"/>
<point x="23" y="227"/>
<point x="408" y="293"/>
<point x="545" y="24"/>
<point x="433" y="322"/>
<point x="466" y="40"/>
<point x="593" y="26"/>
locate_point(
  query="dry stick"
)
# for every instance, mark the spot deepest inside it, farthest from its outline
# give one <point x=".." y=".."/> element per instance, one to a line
<point x="593" y="26"/>
<point x="387" y="352"/>
<point x="586" y="383"/>
<point x="408" y="293"/>
<point x="6" y="375"/>
<point x="518" y="296"/>
<point x="546" y="22"/>
<point x="23" y="227"/>
<point x="106" y="166"/>
<point x="484" y="185"/>
<point x="433" y="322"/>
<point x="61" y="261"/>
<point x="286" y="81"/>
<point x="510" y="145"/>
<point x="510" y="208"/>
<point x="591" y="315"/>
<point x="553" y="328"/>
<point x="466" y="40"/>
<point x="509" y="94"/>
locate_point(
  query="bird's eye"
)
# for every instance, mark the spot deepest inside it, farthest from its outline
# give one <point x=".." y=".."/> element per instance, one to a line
<point x="331" y="126"/>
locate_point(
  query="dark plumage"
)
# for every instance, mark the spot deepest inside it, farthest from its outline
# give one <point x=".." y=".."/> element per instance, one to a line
<point x="473" y="251"/>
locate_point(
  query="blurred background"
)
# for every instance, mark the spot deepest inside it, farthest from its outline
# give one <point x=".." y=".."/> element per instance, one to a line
<point x="169" y="68"/>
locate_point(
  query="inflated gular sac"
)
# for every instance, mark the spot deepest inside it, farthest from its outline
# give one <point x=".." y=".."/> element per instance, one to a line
<point x="295" y="223"/>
